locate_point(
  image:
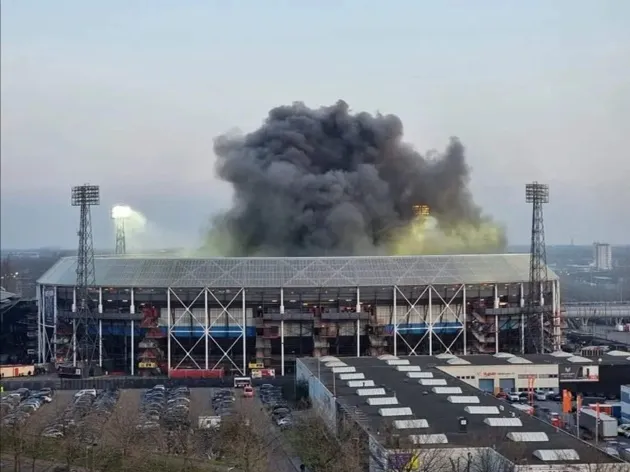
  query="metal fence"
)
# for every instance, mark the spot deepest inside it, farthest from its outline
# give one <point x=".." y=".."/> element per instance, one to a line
<point x="128" y="382"/>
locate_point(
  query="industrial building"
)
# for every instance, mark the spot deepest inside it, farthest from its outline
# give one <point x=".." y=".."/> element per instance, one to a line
<point x="207" y="314"/>
<point x="410" y="411"/>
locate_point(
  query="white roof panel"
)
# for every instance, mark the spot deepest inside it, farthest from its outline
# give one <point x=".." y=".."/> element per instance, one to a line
<point x="400" y="411"/>
<point x="482" y="410"/>
<point x="550" y="455"/>
<point x="427" y="382"/>
<point x="411" y="424"/>
<point x="579" y="360"/>
<point x="420" y="375"/>
<point x="420" y="439"/>
<point x="527" y="437"/>
<point x="447" y="390"/>
<point x="360" y="383"/>
<point x="157" y="271"/>
<point x="503" y="422"/>
<point x="374" y="401"/>
<point x="466" y="400"/>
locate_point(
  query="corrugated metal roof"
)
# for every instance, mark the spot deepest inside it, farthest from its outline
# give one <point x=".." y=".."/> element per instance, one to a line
<point x="158" y="272"/>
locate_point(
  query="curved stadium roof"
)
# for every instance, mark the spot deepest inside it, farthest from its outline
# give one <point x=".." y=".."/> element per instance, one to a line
<point x="298" y="272"/>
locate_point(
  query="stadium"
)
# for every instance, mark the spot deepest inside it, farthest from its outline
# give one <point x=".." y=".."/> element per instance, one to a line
<point x="209" y="316"/>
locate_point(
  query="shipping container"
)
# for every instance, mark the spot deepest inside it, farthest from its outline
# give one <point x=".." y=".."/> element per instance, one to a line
<point x="607" y="424"/>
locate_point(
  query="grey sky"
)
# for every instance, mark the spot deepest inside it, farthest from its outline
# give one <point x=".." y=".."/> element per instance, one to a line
<point x="130" y="96"/>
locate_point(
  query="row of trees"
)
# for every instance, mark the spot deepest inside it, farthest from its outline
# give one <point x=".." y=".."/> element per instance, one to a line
<point x="243" y="443"/>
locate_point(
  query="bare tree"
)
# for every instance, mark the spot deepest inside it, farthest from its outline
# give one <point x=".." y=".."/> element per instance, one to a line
<point x="248" y="439"/>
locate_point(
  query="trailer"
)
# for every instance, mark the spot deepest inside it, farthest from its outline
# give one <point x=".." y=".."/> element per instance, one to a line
<point x="16" y="370"/>
<point x="607" y="424"/>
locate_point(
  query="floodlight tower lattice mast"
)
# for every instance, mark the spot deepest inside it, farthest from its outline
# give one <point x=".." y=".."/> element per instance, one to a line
<point x="121" y="245"/>
<point x="539" y="312"/>
<point x="85" y="196"/>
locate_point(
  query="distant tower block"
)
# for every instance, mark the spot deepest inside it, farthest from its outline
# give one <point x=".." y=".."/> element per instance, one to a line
<point x="84" y="344"/>
<point x="540" y="335"/>
<point x="120" y="213"/>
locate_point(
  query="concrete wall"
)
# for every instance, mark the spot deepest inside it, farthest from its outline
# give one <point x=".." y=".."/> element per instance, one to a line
<point x="322" y="399"/>
<point x="546" y="375"/>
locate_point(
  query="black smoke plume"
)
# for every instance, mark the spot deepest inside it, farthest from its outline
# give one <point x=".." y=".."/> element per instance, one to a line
<point x="325" y="182"/>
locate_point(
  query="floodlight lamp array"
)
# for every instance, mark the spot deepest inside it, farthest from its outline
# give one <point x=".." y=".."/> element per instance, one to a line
<point x="120" y="212"/>
<point x="86" y="195"/>
<point x="537" y="193"/>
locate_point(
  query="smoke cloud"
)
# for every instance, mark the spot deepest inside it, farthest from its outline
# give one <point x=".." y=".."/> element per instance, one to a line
<point x="327" y="182"/>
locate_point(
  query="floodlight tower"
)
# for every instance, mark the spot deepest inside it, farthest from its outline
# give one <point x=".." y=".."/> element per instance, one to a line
<point x="539" y="312"/>
<point x="85" y="196"/>
<point x="119" y="214"/>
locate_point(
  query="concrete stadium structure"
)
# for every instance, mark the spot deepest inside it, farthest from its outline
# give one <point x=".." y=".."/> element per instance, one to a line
<point x="229" y="312"/>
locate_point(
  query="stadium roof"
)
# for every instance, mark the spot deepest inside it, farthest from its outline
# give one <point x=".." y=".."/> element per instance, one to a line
<point x="155" y="272"/>
<point x="436" y="403"/>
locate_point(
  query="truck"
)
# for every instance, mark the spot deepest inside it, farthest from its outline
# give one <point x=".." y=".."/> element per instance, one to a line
<point x="607" y="424"/>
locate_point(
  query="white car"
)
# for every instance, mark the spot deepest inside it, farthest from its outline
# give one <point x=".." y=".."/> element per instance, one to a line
<point x="87" y="391"/>
<point x="513" y="396"/>
<point x="540" y="395"/>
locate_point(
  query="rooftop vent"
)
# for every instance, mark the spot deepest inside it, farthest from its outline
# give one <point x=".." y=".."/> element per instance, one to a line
<point x="432" y="382"/>
<point x="445" y="356"/>
<point x="360" y="383"/>
<point x="503" y="355"/>
<point x="549" y="455"/>
<point x="402" y="411"/>
<point x="457" y="361"/>
<point x="384" y="357"/>
<point x="528" y="437"/>
<point x="368" y="392"/>
<point x="335" y="364"/>
<point x="374" y="401"/>
<point x="329" y="359"/>
<point x="503" y="422"/>
<point x="353" y="376"/>
<point x="482" y="410"/>
<point x="578" y="359"/>
<point x="617" y="353"/>
<point x="447" y="390"/>
<point x="408" y="368"/>
<point x="411" y="424"/>
<point x="428" y="438"/>
<point x="344" y="370"/>
<point x="397" y="362"/>
<point x="561" y="354"/>
<point x="420" y="375"/>
<point x="518" y="360"/>
<point x="463" y="399"/>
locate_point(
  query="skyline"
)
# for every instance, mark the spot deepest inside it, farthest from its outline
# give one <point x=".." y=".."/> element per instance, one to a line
<point x="133" y="101"/>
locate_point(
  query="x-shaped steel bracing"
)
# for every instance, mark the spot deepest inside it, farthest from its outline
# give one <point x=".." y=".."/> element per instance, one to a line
<point x="432" y="321"/>
<point x="225" y="309"/>
<point x="187" y="311"/>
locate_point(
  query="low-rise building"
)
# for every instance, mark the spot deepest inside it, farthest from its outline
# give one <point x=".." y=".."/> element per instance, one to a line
<point x="413" y="413"/>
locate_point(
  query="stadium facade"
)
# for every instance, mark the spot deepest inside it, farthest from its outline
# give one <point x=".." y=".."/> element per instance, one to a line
<point x="227" y="313"/>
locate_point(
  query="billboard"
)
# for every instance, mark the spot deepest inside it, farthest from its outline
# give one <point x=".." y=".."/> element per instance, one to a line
<point x="48" y="306"/>
<point x="578" y="373"/>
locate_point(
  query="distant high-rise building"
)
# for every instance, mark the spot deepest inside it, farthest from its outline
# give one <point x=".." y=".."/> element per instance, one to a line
<point x="602" y="256"/>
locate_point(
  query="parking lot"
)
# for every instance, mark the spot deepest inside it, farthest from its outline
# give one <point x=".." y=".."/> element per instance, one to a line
<point x="34" y="408"/>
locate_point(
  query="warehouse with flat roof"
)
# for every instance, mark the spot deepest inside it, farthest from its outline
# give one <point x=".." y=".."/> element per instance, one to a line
<point x="411" y="410"/>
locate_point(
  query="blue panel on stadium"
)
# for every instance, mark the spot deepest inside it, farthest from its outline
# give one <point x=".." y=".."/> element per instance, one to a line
<point x="421" y="328"/>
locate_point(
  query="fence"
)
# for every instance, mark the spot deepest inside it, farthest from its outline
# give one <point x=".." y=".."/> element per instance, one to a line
<point x="129" y="382"/>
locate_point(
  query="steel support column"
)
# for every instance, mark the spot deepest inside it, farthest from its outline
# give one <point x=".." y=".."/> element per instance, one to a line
<point x="168" y="330"/>
<point x="74" y="342"/>
<point x="55" y="319"/>
<point x="497" y="328"/>
<point x="395" y="289"/>
<point x="133" y="347"/>
<point x="542" y="318"/>
<point x="100" y="342"/>
<point x="74" y="299"/>
<point x="358" y="310"/>
<point x="465" y="316"/>
<point x="100" y="300"/>
<point x="522" y="305"/>
<point x="132" y="301"/>
<point x="430" y="320"/>
<point x="206" y="329"/>
<point x="243" y="306"/>
<point x="40" y="325"/>
<point x="282" y="331"/>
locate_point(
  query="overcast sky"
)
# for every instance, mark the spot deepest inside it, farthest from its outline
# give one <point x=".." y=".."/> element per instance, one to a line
<point x="129" y="94"/>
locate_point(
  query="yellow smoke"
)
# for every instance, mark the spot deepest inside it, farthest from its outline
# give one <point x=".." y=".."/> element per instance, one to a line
<point x="425" y="236"/>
